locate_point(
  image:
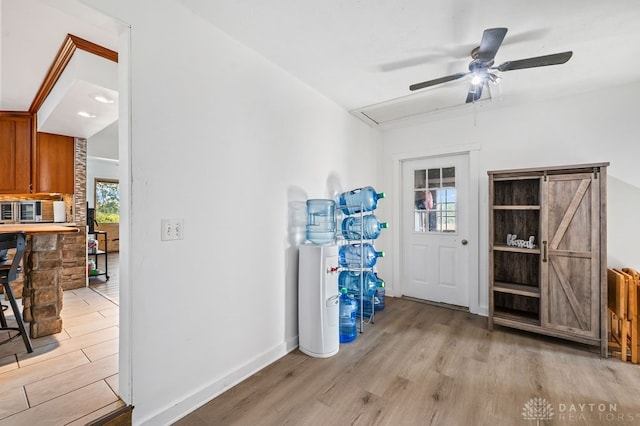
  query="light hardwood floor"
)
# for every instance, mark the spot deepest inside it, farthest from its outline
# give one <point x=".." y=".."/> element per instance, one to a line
<point x="71" y="377"/>
<point x="421" y="364"/>
<point x="109" y="288"/>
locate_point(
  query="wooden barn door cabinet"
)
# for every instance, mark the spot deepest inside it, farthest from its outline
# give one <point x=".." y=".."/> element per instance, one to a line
<point x="557" y="285"/>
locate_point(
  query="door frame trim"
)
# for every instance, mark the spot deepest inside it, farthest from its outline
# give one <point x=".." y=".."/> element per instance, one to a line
<point x="396" y="215"/>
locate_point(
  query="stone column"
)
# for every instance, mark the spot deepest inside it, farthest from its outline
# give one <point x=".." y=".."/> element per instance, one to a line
<point x="42" y="293"/>
<point x="74" y="260"/>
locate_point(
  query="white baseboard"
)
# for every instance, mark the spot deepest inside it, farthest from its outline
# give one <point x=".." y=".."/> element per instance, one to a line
<point x="292" y="344"/>
<point x="200" y="397"/>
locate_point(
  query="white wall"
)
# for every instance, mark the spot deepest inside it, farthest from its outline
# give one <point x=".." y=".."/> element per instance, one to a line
<point x="102" y="158"/>
<point x="233" y="145"/>
<point x="595" y="127"/>
<point x="104" y="144"/>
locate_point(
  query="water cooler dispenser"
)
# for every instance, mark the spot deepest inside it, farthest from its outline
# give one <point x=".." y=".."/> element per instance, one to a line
<point x="318" y="300"/>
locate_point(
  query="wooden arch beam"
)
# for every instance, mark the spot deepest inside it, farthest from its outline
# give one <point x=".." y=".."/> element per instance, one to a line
<point x="71" y="43"/>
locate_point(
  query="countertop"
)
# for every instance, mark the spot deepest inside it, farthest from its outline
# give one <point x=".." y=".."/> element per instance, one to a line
<point x="39" y="228"/>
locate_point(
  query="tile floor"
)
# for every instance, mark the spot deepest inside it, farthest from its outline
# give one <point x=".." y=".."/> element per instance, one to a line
<point x="71" y="377"/>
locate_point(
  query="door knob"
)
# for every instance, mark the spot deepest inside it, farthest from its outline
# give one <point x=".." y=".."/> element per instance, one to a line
<point x="464" y="242"/>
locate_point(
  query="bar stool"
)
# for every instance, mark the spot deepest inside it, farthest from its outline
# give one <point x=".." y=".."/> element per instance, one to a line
<point x="8" y="273"/>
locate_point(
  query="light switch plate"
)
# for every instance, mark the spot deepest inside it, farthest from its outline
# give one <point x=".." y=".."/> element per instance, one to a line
<point x="172" y="229"/>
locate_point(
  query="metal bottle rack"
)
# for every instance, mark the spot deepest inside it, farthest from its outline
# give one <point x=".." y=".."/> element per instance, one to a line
<point x="361" y="268"/>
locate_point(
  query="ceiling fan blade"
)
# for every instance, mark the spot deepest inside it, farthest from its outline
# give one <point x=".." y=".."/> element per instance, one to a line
<point x="440" y="80"/>
<point x="475" y="92"/>
<point x="491" y="42"/>
<point x="538" y="61"/>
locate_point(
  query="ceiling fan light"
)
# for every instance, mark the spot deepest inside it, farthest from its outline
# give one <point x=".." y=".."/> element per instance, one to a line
<point x="477" y="80"/>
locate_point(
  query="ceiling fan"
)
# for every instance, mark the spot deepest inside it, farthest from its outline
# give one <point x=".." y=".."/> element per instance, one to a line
<point x="482" y="64"/>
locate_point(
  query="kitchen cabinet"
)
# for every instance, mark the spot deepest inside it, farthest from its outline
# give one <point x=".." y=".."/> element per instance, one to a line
<point x="15" y="145"/>
<point x="555" y="285"/>
<point x="54" y="163"/>
<point x="27" y="166"/>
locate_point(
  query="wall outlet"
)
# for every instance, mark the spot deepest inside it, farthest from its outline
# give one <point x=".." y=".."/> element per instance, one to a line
<point x="172" y="229"/>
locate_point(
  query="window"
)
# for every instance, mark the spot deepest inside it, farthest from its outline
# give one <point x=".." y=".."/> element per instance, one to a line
<point x="107" y="201"/>
<point x="435" y="200"/>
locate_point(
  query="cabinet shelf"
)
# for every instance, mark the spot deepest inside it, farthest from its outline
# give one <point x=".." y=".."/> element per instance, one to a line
<point x="504" y="247"/>
<point x="518" y="207"/>
<point x="511" y="288"/>
<point x="512" y="315"/>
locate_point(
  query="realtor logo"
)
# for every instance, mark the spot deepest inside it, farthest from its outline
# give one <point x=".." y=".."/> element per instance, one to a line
<point x="537" y="409"/>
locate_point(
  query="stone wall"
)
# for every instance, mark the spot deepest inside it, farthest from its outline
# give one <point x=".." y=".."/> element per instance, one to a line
<point x="54" y="263"/>
<point x="42" y="292"/>
<point x="18" y="283"/>
<point x="80" y="187"/>
<point x="74" y="259"/>
<point x="74" y="246"/>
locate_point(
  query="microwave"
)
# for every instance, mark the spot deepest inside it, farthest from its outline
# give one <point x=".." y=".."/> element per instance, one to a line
<point x="9" y="211"/>
<point x="30" y="211"/>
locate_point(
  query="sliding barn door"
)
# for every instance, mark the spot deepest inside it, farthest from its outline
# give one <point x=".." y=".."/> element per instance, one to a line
<point x="570" y="253"/>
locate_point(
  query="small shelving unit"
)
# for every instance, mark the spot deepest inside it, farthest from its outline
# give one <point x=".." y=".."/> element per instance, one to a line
<point x="97" y="254"/>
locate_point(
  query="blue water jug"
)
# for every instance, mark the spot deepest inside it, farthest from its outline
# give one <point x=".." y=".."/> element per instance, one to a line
<point x="366" y="308"/>
<point x="367" y="227"/>
<point x="377" y="300"/>
<point x="351" y="281"/>
<point x="348" y="307"/>
<point x="358" y="255"/>
<point x="359" y="200"/>
<point x="321" y="223"/>
<point x="380" y="292"/>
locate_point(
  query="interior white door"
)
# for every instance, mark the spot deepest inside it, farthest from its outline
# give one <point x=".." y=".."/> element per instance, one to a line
<point x="435" y="223"/>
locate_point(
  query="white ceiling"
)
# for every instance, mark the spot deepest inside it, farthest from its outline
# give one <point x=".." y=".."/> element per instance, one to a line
<point x="362" y="53"/>
<point x="85" y="77"/>
<point x="32" y="33"/>
<point x="365" y="53"/>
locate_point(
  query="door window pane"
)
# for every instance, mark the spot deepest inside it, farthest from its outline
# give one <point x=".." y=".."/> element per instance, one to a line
<point x="449" y="177"/>
<point x="435" y="209"/>
<point x="434" y="178"/>
<point x="420" y="178"/>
